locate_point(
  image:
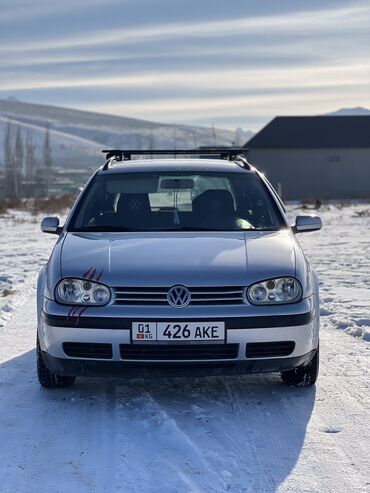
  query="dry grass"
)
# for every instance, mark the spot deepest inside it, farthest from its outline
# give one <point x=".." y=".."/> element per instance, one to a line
<point x="316" y="204"/>
<point x="362" y="213"/>
<point x="50" y="205"/>
<point x="9" y="203"/>
<point x="7" y="292"/>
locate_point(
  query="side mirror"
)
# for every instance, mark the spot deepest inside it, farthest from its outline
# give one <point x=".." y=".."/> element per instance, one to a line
<point x="51" y="225"/>
<point x="304" y="224"/>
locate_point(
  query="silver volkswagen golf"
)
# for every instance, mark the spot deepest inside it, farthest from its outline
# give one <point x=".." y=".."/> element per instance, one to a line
<point x="180" y="267"/>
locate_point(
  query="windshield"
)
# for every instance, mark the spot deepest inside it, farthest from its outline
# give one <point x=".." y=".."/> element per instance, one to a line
<point x="180" y="201"/>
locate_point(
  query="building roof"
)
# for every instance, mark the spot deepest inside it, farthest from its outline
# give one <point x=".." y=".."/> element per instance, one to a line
<point x="313" y="132"/>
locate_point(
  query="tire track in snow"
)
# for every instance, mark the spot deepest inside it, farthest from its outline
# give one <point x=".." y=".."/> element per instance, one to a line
<point x="263" y="414"/>
<point x="102" y="439"/>
<point x="170" y="444"/>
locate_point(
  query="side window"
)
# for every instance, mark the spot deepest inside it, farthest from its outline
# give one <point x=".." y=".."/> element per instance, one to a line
<point x="183" y="199"/>
<point x="97" y="202"/>
<point x="162" y="200"/>
<point x="203" y="183"/>
<point x="170" y="200"/>
<point x="254" y="202"/>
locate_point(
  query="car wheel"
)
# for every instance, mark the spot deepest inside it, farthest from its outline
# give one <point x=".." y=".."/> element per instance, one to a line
<point x="303" y="376"/>
<point x="47" y="378"/>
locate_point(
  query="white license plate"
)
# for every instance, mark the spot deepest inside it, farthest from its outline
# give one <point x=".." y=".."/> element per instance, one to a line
<point x="178" y="331"/>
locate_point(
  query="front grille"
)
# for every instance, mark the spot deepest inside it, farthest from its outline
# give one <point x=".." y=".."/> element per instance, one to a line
<point x="224" y="295"/>
<point x="179" y="352"/>
<point x="269" y="349"/>
<point x="87" y="350"/>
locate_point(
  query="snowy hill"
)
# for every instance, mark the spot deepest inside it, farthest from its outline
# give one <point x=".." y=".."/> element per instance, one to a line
<point x="63" y="144"/>
<point x="77" y="133"/>
<point x="358" y="111"/>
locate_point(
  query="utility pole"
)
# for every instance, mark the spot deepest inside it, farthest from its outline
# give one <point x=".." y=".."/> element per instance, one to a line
<point x="151" y="142"/>
<point x="213" y="135"/>
<point x="48" y="162"/>
<point x="18" y="161"/>
<point x="30" y="158"/>
<point x="9" y="159"/>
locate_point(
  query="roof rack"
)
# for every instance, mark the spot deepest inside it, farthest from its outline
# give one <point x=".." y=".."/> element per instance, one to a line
<point x="228" y="153"/>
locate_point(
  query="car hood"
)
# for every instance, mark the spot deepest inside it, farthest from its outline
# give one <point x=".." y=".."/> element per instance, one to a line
<point x="194" y="259"/>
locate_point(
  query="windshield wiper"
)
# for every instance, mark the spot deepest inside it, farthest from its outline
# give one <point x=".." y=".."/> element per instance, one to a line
<point x="119" y="229"/>
<point x="201" y="228"/>
<point x="103" y="229"/>
<point x="86" y="229"/>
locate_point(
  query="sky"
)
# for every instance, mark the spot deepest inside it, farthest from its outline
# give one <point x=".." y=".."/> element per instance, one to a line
<point x="228" y="63"/>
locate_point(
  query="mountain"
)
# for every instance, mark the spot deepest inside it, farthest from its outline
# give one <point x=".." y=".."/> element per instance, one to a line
<point x="242" y="136"/>
<point x="81" y="135"/>
<point x="357" y="111"/>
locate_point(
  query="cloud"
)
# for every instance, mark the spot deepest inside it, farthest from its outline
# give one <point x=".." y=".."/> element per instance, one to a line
<point x="260" y="107"/>
<point x="345" y="19"/>
<point x="232" y="79"/>
<point x="30" y="9"/>
<point x="196" y="67"/>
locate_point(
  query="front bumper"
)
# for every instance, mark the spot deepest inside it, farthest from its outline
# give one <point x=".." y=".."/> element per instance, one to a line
<point x="299" y="324"/>
<point x="144" y="369"/>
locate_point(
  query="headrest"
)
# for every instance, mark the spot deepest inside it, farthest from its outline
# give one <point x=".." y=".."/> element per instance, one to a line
<point x="133" y="203"/>
<point x="215" y="201"/>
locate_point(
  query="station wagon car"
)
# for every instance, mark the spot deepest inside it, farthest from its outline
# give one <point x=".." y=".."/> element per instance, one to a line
<point x="177" y="266"/>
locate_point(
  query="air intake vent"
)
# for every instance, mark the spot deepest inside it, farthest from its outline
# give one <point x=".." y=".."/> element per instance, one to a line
<point x="269" y="349"/>
<point x="87" y="350"/>
<point x="179" y="352"/>
<point x="229" y="295"/>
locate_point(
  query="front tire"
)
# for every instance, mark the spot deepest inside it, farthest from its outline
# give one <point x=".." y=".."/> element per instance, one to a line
<point x="303" y="376"/>
<point x="47" y="378"/>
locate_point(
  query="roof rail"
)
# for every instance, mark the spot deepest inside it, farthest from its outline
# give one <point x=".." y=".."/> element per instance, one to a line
<point x="243" y="160"/>
<point x="229" y="153"/>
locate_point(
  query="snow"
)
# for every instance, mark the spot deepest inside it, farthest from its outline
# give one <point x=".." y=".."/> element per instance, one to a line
<point x="340" y="254"/>
<point x="63" y="144"/>
<point x="23" y="251"/>
<point x="235" y="434"/>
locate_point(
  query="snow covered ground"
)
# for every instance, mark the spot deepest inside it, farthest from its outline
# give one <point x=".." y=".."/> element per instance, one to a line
<point x="242" y="434"/>
<point x="340" y="253"/>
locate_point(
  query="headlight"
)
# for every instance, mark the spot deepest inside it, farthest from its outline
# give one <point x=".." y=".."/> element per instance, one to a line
<point x="81" y="292"/>
<point x="275" y="291"/>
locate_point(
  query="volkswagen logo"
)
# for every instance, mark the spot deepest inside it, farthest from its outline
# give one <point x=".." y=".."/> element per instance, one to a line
<point x="135" y="205"/>
<point x="216" y="205"/>
<point x="178" y="296"/>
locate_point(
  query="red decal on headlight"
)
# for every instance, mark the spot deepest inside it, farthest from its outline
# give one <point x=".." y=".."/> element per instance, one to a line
<point x="90" y="276"/>
<point x="79" y="315"/>
<point x="87" y="272"/>
<point x="72" y="311"/>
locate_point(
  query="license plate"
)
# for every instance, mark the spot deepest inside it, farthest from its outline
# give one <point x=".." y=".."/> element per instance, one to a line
<point x="178" y="331"/>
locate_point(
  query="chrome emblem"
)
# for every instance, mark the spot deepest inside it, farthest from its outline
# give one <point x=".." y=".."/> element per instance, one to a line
<point x="179" y="296"/>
